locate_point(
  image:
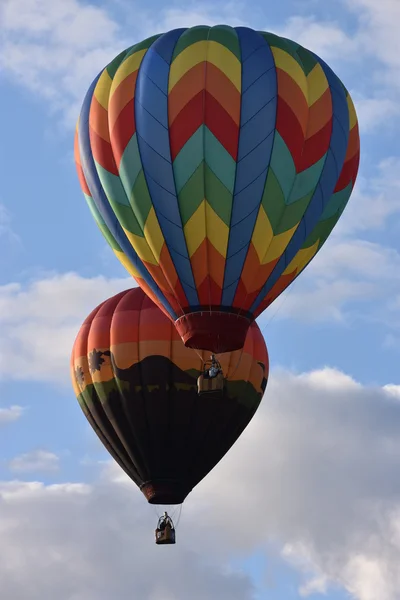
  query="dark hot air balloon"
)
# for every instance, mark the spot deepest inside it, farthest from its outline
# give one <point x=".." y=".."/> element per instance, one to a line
<point x="136" y="383"/>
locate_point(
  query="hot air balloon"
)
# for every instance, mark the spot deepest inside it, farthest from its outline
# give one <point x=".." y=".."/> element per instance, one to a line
<point x="136" y="383"/>
<point x="216" y="161"/>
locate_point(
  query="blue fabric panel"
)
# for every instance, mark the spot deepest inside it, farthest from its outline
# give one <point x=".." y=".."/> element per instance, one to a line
<point x="159" y="72"/>
<point x="151" y="115"/>
<point x="152" y="100"/>
<point x="253" y="131"/>
<point x="256" y="134"/>
<point x="248" y="201"/>
<point x="250" y="168"/>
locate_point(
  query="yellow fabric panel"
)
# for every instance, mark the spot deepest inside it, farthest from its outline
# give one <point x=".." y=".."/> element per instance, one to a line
<point x="141" y="246"/>
<point x="301" y="259"/>
<point x="287" y="63"/>
<point x="186" y="60"/>
<point x="206" y="223"/>
<point x="124" y="260"/>
<point x="126" y="354"/>
<point x="153" y="234"/>
<point x="317" y="84"/>
<point x="150" y="347"/>
<point x="227" y="62"/>
<point x="128" y="66"/>
<point x="77" y="388"/>
<point x="102" y="89"/>
<point x="278" y="245"/>
<point x="213" y="52"/>
<point x="217" y="231"/>
<point x="83" y="363"/>
<point x="262" y="234"/>
<point x="352" y="112"/>
<point x="195" y="229"/>
<point x="185" y="358"/>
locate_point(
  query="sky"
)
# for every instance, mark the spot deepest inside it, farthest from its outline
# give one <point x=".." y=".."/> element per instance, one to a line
<point x="307" y="503"/>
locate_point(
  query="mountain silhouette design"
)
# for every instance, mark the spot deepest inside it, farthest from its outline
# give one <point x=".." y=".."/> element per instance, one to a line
<point x="162" y="433"/>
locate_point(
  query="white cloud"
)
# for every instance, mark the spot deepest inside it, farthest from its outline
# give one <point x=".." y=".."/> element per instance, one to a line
<point x="378" y="33"/>
<point x="7" y="232"/>
<point x="346" y="273"/>
<point x="315" y="473"/>
<point x="96" y="544"/>
<point x="192" y="14"/>
<point x="372" y="40"/>
<point x="40" y="320"/>
<point x="325" y="38"/>
<point x="375" y="113"/>
<point x="298" y="555"/>
<point x="392" y="389"/>
<point x="11" y="414"/>
<point x="317" y="470"/>
<point x="35" y="461"/>
<point x="56" y="48"/>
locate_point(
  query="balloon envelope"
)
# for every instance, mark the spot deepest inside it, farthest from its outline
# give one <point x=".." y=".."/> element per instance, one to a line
<point x="216" y="162"/>
<point x="136" y="383"/>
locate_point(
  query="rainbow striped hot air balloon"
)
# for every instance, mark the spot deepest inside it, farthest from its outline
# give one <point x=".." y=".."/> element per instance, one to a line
<point x="216" y="161"/>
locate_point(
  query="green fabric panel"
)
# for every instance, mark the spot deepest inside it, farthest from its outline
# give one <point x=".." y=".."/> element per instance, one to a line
<point x="130" y="165"/>
<point x="189" y="37"/>
<point x="126" y="218"/>
<point x="245" y="394"/>
<point x="188" y="159"/>
<point x="307" y="59"/>
<point x="293" y="214"/>
<point x="276" y="41"/>
<point x="301" y="55"/>
<point x="192" y="194"/>
<point x="118" y="199"/>
<point x="101" y="224"/>
<point x="283" y="165"/>
<point x="219" y="160"/>
<point x="143" y="45"/>
<point x="326" y="229"/>
<point x="227" y="36"/>
<point x="104" y="389"/>
<point x="306" y="181"/>
<point x="112" y="67"/>
<point x="86" y="399"/>
<point x="218" y="197"/>
<point x="82" y="404"/>
<point x="273" y="200"/>
<point x="112" y="185"/>
<point x="337" y="202"/>
<point x="140" y="200"/>
<point x="321" y="232"/>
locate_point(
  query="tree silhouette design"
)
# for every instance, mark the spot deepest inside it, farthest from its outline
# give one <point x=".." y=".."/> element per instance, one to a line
<point x="79" y="376"/>
<point x="95" y="360"/>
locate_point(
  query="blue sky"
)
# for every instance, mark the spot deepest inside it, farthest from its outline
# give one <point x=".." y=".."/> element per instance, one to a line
<point x="315" y="476"/>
